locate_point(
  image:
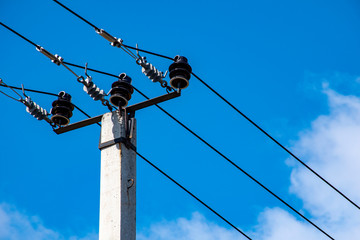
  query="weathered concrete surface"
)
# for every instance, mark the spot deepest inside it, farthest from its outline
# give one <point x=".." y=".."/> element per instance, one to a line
<point x="118" y="183"/>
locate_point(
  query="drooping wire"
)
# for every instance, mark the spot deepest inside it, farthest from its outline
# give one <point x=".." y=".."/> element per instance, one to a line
<point x="2" y="84"/>
<point x="190" y="193"/>
<point x="217" y="151"/>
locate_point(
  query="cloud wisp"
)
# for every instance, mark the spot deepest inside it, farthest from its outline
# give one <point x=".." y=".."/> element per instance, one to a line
<point x="195" y="228"/>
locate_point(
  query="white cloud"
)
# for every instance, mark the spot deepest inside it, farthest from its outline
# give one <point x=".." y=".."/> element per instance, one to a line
<point x="15" y="225"/>
<point x="196" y="228"/>
<point x="277" y="224"/>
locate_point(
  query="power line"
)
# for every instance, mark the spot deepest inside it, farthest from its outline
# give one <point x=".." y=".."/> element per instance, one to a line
<point x="191" y="194"/>
<point x="236" y="109"/>
<point x="76" y="14"/>
<point x="19" y="34"/>
<point x="218" y="152"/>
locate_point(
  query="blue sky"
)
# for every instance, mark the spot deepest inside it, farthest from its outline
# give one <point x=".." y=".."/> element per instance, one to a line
<point x="291" y="66"/>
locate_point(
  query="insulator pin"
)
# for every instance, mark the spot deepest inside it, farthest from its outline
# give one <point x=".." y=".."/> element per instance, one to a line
<point x="62" y="109"/>
<point x="121" y="91"/>
<point x="180" y="73"/>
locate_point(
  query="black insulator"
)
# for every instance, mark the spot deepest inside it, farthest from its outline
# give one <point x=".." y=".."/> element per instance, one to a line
<point x="62" y="109"/>
<point x="121" y="91"/>
<point x="180" y="73"/>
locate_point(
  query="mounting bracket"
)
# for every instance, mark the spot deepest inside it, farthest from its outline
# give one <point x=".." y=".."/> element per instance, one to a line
<point x="128" y="109"/>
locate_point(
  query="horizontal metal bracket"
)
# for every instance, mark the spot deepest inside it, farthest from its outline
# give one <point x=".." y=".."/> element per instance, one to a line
<point x="129" y="109"/>
<point x="153" y="101"/>
<point x="77" y="125"/>
<point x="115" y="141"/>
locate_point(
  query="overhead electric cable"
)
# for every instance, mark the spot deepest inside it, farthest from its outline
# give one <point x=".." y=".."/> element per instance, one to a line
<point x="217" y="151"/>
<point x="76" y="14"/>
<point x="191" y="194"/>
<point x="236" y="109"/>
<point x="18" y="34"/>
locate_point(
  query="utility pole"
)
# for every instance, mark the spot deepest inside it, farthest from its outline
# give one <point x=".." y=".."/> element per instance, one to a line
<point x="118" y="179"/>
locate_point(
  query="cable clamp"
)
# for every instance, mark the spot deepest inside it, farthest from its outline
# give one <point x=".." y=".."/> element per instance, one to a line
<point x="54" y="58"/>
<point x="116" y="42"/>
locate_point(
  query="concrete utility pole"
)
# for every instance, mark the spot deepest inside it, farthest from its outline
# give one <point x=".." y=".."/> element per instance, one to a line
<point x="118" y="179"/>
